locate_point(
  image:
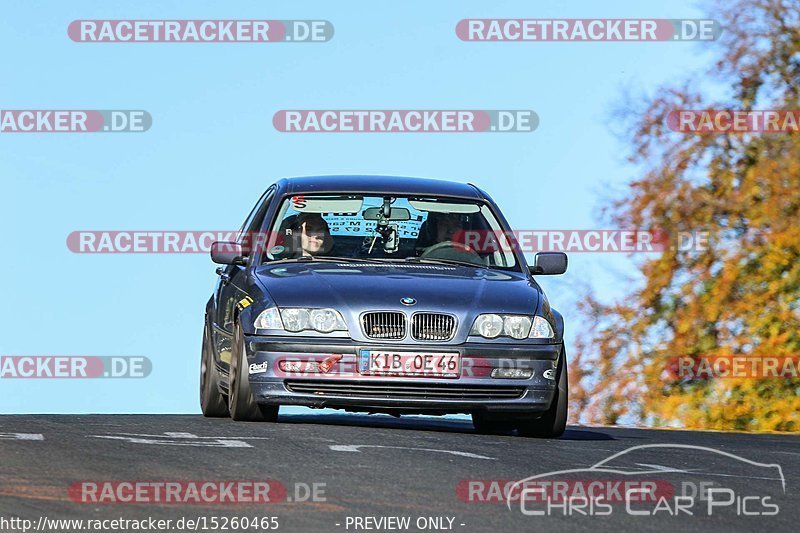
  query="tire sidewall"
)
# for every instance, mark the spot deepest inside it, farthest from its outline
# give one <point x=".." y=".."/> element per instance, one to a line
<point x="234" y="378"/>
<point x="212" y="402"/>
<point x="241" y="404"/>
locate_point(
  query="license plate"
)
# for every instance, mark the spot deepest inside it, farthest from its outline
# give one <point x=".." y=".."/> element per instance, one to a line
<point x="429" y="364"/>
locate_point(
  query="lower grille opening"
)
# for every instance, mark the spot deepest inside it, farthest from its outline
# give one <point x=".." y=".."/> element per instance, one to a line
<point x="393" y="390"/>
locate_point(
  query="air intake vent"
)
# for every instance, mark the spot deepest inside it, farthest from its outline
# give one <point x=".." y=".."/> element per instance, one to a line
<point x="433" y="327"/>
<point x="384" y="325"/>
<point x="403" y="391"/>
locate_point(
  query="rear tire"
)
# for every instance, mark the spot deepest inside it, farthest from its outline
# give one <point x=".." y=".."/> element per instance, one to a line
<point x="213" y="403"/>
<point x="554" y="421"/>
<point x="241" y="404"/>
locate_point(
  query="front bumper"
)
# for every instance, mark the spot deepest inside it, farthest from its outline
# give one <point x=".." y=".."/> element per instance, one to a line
<point x="344" y="387"/>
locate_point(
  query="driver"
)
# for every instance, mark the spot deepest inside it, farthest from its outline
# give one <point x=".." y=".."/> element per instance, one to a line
<point x="314" y="235"/>
<point x="439" y="228"/>
<point x="447" y="226"/>
<point x="444" y="239"/>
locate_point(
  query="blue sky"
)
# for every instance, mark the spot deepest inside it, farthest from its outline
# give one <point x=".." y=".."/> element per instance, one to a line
<point x="212" y="150"/>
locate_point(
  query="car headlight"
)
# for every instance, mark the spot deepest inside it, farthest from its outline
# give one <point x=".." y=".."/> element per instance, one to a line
<point x="295" y="319"/>
<point x="489" y="326"/>
<point x="516" y="327"/>
<point x="541" y="329"/>
<point x="298" y="319"/>
<point x="326" y="320"/>
<point x="269" y="319"/>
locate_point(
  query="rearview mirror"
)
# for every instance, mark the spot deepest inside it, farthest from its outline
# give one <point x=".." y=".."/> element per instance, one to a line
<point x="227" y="253"/>
<point x="397" y="213"/>
<point x="549" y="263"/>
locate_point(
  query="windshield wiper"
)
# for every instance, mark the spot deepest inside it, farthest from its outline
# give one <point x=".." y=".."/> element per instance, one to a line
<point x="328" y="258"/>
<point x="427" y="260"/>
<point x="379" y="260"/>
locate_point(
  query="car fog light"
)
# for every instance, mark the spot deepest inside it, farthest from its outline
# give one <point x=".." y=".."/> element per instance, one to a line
<point x="512" y="373"/>
<point x="299" y="367"/>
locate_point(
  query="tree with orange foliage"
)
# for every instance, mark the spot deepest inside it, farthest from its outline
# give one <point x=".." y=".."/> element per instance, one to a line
<point x="741" y="294"/>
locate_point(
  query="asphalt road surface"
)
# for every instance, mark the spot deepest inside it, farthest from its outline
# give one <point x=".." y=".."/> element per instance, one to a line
<point x="378" y="473"/>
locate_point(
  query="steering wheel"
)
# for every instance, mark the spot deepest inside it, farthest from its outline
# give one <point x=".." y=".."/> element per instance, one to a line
<point x="454" y="251"/>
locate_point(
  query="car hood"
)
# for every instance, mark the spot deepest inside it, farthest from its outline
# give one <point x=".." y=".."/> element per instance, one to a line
<point x="359" y="287"/>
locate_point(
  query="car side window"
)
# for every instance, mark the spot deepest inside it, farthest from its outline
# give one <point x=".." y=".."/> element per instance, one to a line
<point x="249" y="220"/>
<point x="249" y="234"/>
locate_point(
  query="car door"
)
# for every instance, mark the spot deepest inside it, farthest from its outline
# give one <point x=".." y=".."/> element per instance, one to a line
<point x="230" y="285"/>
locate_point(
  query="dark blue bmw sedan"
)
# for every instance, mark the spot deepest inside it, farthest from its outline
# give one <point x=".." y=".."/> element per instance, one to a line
<point x="387" y="295"/>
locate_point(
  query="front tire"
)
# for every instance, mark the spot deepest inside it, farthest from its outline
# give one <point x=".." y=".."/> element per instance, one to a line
<point x="213" y="403"/>
<point x="241" y="404"/>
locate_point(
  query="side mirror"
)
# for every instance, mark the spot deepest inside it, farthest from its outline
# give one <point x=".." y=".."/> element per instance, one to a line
<point x="549" y="263"/>
<point x="227" y="253"/>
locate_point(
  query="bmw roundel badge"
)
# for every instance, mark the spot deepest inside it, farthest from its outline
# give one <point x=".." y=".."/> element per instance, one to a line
<point x="407" y="301"/>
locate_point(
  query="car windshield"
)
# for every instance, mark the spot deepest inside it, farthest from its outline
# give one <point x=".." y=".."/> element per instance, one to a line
<point x="388" y="229"/>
